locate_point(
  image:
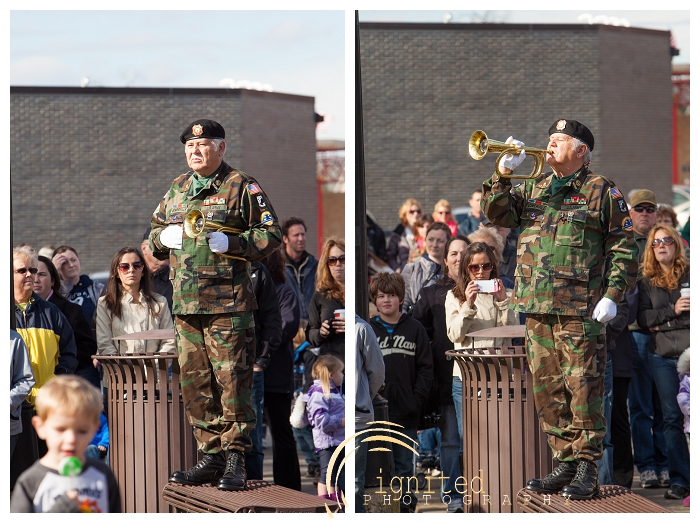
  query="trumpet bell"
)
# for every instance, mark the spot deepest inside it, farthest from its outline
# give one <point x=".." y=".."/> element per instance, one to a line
<point x="480" y="146"/>
<point x="194" y="223"/>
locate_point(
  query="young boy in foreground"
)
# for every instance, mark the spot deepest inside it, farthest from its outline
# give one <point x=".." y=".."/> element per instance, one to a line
<point x="408" y="363"/>
<point x="68" y="411"/>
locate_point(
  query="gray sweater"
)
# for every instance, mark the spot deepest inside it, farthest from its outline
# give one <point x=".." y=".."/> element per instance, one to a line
<point x="21" y="380"/>
<point x="369" y="372"/>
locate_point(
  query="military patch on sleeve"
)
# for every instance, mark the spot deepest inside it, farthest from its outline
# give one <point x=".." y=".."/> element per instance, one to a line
<point x="615" y="192"/>
<point x="261" y="202"/>
<point x="627" y="224"/>
<point x="623" y="205"/>
<point x="253" y="188"/>
<point x="266" y="218"/>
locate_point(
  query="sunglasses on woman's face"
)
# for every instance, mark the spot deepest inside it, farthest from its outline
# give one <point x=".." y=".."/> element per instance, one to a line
<point x="333" y="260"/>
<point x="475" y="268"/>
<point x="23" y="270"/>
<point x="124" y="267"/>
<point x="666" y="241"/>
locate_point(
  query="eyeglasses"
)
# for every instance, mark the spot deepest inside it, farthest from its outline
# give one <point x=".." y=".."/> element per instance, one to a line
<point x="414" y="211"/>
<point x="333" y="261"/>
<point x="23" y="270"/>
<point x="648" y="208"/>
<point x="124" y="267"/>
<point x="475" y="268"/>
<point x="444" y="212"/>
<point x="658" y="241"/>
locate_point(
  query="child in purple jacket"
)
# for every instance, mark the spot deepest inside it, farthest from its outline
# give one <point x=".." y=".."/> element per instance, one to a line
<point x="325" y="410"/>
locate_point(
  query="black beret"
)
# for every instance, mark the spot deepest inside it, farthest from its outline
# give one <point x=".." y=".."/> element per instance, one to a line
<point x="203" y="129"/>
<point x="575" y="129"/>
<point x="147" y="233"/>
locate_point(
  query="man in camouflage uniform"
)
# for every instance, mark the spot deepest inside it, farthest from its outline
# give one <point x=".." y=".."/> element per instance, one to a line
<point x="571" y="220"/>
<point x="213" y="300"/>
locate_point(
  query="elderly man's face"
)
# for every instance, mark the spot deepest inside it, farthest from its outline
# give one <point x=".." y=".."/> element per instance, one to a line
<point x="23" y="279"/>
<point x="202" y="155"/>
<point x="642" y="222"/>
<point x="564" y="151"/>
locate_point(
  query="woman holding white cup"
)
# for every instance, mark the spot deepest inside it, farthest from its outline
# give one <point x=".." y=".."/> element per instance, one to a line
<point x="326" y="328"/>
<point x="664" y="309"/>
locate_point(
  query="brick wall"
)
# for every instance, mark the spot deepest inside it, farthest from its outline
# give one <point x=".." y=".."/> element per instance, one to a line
<point x="427" y="87"/>
<point x="89" y="166"/>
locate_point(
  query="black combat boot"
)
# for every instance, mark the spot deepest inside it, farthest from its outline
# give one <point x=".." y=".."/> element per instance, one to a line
<point x="207" y="470"/>
<point x="555" y="480"/>
<point x="234" y="476"/>
<point x="585" y="484"/>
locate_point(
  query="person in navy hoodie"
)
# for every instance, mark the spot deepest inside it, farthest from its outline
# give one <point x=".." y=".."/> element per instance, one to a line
<point x="408" y="361"/>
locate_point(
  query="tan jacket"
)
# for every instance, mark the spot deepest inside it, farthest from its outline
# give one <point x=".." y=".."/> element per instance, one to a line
<point x="135" y="318"/>
<point x="487" y="313"/>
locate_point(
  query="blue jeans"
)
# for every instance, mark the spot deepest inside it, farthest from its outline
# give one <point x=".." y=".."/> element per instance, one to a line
<point x="429" y="442"/>
<point x="403" y="468"/>
<point x="305" y="441"/>
<point x="450" y="446"/>
<point x="605" y="464"/>
<point x="457" y="399"/>
<point x="646" y="416"/>
<point x="254" y="458"/>
<point x="360" y="471"/>
<point x="667" y="383"/>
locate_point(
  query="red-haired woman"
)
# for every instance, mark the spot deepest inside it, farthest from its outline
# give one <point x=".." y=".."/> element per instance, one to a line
<point x="323" y="330"/>
<point x="666" y="313"/>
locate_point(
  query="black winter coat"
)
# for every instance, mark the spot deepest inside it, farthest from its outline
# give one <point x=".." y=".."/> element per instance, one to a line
<point x="656" y="309"/>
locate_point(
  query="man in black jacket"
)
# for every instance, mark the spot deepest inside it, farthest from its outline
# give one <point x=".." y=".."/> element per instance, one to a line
<point x="268" y="333"/>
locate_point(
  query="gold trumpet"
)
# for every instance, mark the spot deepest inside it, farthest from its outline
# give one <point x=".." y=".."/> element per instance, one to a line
<point x="196" y="224"/>
<point x="480" y="146"/>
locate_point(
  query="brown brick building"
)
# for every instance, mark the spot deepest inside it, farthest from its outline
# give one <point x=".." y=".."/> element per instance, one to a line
<point x="427" y="87"/>
<point x="89" y="166"/>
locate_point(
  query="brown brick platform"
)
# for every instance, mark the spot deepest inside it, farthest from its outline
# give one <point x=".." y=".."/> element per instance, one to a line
<point x="611" y="498"/>
<point x="259" y="496"/>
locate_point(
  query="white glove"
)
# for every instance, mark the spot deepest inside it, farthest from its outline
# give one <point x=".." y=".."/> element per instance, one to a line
<point x="171" y="236"/>
<point x="605" y="311"/>
<point x="218" y="241"/>
<point x="509" y="161"/>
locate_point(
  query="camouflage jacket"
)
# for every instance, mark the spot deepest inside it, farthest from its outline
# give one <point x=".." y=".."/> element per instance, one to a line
<point x="205" y="282"/>
<point x="564" y="240"/>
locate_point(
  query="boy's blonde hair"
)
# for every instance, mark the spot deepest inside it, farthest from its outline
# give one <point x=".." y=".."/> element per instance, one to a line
<point x="71" y="394"/>
<point x="323" y="366"/>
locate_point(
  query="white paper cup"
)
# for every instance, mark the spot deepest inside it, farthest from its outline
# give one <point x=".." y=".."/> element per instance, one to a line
<point x="685" y="292"/>
<point x="339" y="313"/>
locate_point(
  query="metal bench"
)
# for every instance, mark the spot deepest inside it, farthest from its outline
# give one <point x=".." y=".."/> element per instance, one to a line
<point x="610" y="498"/>
<point x="259" y="496"/>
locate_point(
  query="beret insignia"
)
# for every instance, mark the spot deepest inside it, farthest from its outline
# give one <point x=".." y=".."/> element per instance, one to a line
<point x="561" y="124"/>
<point x="197" y="130"/>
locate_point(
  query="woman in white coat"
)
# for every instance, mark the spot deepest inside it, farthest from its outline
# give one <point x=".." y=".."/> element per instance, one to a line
<point x="129" y="305"/>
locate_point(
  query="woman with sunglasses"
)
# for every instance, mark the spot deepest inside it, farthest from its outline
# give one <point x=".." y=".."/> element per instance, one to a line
<point x="403" y="242"/>
<point x="442" y="212"/>
<point x="129" y="305"/>
<point x="78" y="288"/>
<point x="666" y="313"/>
<point x="324" y="330"/>
<point x="468" y="310"/>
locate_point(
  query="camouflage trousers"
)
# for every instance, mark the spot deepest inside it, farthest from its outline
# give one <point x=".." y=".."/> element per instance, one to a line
<point x="567" y="356"/>
<point x="216" y="353"/>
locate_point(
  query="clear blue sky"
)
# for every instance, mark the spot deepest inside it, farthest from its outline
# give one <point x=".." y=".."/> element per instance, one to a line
<point x="295" y="52"/>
